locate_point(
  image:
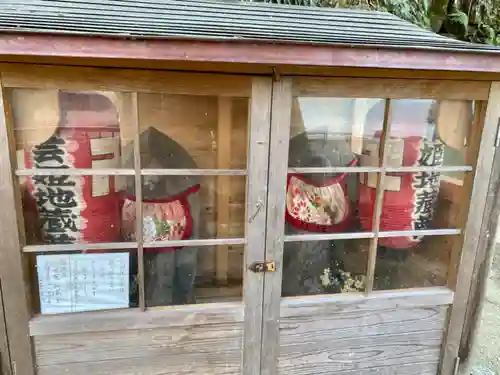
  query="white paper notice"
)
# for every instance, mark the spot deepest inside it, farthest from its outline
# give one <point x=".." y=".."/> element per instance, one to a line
<point x="83" y="282"/>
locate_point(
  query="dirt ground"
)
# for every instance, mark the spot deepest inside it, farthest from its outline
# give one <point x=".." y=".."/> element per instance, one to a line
<point x="486" y="354"/>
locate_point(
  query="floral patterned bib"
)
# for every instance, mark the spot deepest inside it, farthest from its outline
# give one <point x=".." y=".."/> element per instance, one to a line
<point x="162" y="220"/>
<point x="316" y="208"/>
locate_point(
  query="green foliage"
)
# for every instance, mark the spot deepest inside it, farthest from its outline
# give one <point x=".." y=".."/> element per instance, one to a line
<point x="457" y="24"/>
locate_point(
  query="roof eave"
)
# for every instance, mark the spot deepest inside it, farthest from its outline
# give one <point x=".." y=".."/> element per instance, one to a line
<point x="247" y="52"/>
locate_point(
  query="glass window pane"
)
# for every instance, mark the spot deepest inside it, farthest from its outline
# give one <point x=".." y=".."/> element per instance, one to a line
<point x="329" y="203"/>
<point x="182" y="131"/>
<point x="423" y="265"/>
<point x="426" y="132"/>
<point x="187" y="207"/>
<point x="186" y="275"/>
<point x="66" y="209"/>
<point x="324" y="267"/>
<point x="330" y="132"/>
<point x="421" y="201"/>
<point x="63" y="129"/>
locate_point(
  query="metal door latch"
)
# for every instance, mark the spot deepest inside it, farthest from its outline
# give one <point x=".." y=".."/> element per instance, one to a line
<point x="262" y="267"/>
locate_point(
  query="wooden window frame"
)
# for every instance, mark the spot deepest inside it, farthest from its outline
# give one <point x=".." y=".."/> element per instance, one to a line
<point x="21" y="324"/>
<point x="262" y="314"/>
<point x="481" y="142"/>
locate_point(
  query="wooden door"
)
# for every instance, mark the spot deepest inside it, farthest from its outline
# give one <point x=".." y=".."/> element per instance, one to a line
<point x="107" y="293"/>
<point x="382" y="184"/>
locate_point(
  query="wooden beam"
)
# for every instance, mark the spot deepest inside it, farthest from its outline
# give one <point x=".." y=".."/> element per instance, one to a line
<point x="123" y="80"/>
<point x="393" y="88"/>
<point x="278" y="165"/>
<point x="257" y="196"/>
<point x="223" y="187"/>
<point x="473" y="232"/>
<point x="12" y="266"/>
<point x="134" y="112"/>
<point x="16" y="45"/>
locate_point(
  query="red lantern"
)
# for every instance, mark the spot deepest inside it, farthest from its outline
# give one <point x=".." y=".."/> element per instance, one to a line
<point x="73" y="209"/>
<point x="409" y="197"/>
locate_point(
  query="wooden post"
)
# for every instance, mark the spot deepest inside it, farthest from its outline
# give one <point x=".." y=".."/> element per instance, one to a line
<point x="472" y="232"/>
<point x="275" y="233"/>
<point x="223" y="187"/>
<point x="15" y="293"/>
<point x="257" y="195"/>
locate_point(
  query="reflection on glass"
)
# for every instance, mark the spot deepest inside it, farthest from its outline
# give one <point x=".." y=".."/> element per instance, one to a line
<point x="75" y="282"/>
<point x="424" y="132"/>
<point x="324" y="267"/>
<point x="423" y="200"/>
<point x="186" y="207"/>
<point x="330" y="132"/>
<point x="62" y="129"/>
<point x="186" y="275"/>
<point x="89" y="129"/>
<point x="423" y="265"/>
<point x="193" y="131"/>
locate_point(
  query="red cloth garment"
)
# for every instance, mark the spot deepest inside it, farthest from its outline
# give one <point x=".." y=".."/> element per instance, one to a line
<point x="76" y="209"/>
<point x="409" y="197"/>
<point x="317" y="208"/>
<point x="163" y="220"/>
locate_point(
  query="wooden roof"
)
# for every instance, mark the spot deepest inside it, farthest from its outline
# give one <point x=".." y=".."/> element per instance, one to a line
<point x="222" y="21"/>
<point x="151" y="33"/>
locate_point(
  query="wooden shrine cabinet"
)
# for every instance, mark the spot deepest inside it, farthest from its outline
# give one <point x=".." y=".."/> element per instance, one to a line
<point x="307" y="201"/>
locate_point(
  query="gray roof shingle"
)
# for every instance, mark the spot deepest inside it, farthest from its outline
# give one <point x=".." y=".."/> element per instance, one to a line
<point x="222" y="21"/>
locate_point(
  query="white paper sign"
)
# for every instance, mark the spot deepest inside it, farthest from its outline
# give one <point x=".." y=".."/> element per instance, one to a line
<point x="83" y="282"/>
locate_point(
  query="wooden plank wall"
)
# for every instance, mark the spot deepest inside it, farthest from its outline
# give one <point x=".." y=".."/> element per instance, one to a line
<point x="361" y="337"/>
<point x="397" y="333"/>
<point x="156" y="342"/>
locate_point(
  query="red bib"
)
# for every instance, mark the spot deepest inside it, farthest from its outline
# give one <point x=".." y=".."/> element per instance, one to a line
<point x="321" y="208"/>
<point x="163" y="220"/>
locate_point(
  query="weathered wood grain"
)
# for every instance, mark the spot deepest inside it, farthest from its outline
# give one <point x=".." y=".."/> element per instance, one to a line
<point x="278" y="163"/>
<point x="15" y="293"/>
<point x="377" y="300"/>
<point x="134" y="319"/>
<point x="77" y="78"/>
<point x="257" y="193"/>
<point x="361" y="341"/>
<point x="421" y="368"/>
<point x="393" y="88"/>
<point x="188" y="343"/>
<point x="196" y="364"/>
